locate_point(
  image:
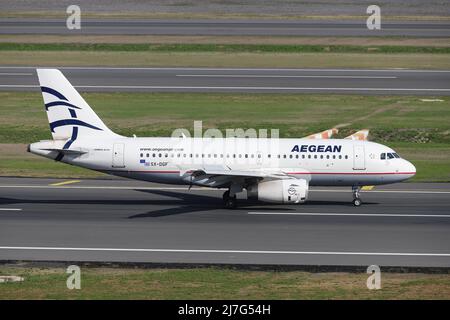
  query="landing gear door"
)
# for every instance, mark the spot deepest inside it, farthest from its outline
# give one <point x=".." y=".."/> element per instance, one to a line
<point x="359" y="158"/>
<point x="118" y="160"/>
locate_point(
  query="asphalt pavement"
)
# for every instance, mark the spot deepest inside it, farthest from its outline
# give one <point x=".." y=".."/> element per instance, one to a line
<point x="119" y="220"/>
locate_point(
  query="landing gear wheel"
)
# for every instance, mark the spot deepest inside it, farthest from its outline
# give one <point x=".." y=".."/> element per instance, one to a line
<point x="228" y="201"/>
<point x="356" y="199"/>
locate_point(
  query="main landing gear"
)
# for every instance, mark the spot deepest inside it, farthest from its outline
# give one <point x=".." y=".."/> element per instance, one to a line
<point x="356" y="199"/>
<point x="229" y="201"/>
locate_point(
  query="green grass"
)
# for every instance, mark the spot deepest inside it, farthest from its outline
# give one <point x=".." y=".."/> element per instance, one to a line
<point x="228" y="48"/>
<point x="225" y="59"/>
<point x="215" y="283"/>
<point x="418" y="130"/>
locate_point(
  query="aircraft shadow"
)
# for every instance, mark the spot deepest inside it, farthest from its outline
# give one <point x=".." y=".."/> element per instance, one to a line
<point x="182" y="203"/>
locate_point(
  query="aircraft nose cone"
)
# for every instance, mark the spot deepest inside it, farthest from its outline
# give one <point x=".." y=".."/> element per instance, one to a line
<point x="410" y="168"/>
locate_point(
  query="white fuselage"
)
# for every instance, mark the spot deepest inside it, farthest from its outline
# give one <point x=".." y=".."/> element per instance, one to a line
<point x="336" y="162"/>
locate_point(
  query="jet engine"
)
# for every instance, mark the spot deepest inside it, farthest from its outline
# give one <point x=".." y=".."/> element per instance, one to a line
<point x="279" y="191"/>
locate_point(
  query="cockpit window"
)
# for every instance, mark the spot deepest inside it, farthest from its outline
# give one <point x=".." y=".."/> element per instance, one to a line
<point x="383" y="156"/>
<point x="396" y="155"/>
<point x="390" y="156"/>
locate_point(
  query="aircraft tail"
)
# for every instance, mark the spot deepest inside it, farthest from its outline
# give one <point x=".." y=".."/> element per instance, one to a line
<point x="68" y="113"/>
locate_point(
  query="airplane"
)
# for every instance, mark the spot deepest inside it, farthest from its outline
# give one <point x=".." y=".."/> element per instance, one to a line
<point x="269" y="170"/>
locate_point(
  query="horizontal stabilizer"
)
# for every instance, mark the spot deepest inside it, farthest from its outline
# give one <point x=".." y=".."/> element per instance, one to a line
<point x="67" y="151"/>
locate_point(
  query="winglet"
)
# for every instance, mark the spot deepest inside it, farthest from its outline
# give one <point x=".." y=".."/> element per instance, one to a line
<point x="361" y="135"/>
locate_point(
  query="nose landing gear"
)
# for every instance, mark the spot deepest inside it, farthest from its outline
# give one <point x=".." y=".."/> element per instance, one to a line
<point x="356" y="199"/>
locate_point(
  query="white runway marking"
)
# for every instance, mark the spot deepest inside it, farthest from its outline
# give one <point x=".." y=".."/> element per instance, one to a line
<point x="343" y="253"/>
<point x="10" y="209"/>
<point x="277" y="76"/>
<point x="379" y="215"/>
<point x="239" y="88"/>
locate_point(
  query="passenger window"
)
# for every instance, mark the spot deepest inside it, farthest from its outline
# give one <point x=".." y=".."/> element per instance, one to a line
<point x="321" y="156"/>
<point x="346" y="157"/>
<point x="290" y="156"/>
<point x="142" y="155"/>
<point x="340" y="157"/>
<point x="309" y="156"/>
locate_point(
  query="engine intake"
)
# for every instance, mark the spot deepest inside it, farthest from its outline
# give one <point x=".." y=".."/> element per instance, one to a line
<point x="279" y="191"/>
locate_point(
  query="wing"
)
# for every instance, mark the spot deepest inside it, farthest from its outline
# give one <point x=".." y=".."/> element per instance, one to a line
<point x="225" y="176"/>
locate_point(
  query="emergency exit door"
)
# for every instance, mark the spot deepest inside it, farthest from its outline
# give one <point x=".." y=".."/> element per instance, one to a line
<point x="118" y="160"/>
<point x="359" y="158"/>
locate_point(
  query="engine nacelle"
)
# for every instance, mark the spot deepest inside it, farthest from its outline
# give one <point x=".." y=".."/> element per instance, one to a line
<point x="279" y="191"/>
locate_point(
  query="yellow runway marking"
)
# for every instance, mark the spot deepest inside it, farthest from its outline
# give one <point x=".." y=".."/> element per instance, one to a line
<point x="65" y="182"/>
<point x="367" y="188"/>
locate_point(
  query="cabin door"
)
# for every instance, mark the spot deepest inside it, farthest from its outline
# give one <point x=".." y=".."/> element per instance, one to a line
<point x="118" y="160"/>
<point x="359" y="158"/>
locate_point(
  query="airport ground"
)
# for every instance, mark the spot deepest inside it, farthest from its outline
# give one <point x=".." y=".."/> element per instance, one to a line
<point x="112" y="228"/>
<point x="49" y="282"/>
<point x="415" y="125"/>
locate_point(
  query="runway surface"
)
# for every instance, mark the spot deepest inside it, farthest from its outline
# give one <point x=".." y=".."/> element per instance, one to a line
<point x="414" y="82"/>
<point x="225" y="27"/>
<point x="120" y="220"/>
